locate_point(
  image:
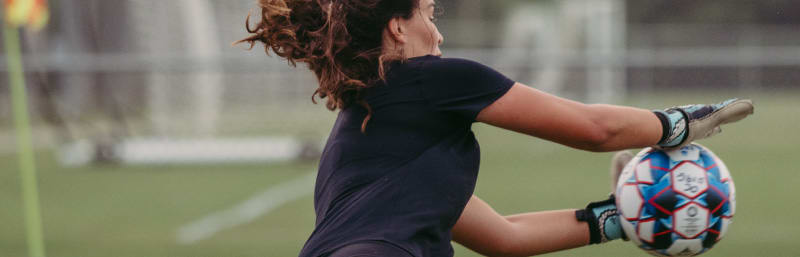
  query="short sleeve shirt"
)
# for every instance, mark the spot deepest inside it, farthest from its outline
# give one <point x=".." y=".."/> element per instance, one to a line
<point x="406" y="180"/>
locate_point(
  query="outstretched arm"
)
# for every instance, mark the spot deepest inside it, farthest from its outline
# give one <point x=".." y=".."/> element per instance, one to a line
<point x="602" y="127"/>
<point x="483" y="230"/>
<point x="593" y="127"/>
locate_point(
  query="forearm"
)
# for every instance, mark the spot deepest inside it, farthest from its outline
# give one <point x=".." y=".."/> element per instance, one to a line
<point x="595" y="127"/>
<point x="481" y="229"/>
<point x="624" y="127"/>
<point x="547" y="231"/>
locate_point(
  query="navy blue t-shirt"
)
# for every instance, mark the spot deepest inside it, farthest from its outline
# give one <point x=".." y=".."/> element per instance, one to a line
<point x="407" y="179"/>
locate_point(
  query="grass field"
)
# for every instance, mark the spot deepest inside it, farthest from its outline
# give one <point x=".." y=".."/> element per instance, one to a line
<point x="137" y="211"/>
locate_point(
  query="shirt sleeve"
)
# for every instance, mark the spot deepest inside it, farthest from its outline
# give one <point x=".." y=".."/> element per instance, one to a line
<point x="462" y="86"/>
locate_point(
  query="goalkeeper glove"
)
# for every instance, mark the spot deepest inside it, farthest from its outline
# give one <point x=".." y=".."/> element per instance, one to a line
<point x="603" y="220"/>
<point x="684" y="124"/>
<point x="602" y="216"/>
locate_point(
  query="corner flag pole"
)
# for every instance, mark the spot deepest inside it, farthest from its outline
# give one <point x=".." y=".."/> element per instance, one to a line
<point x="30" y="192"/>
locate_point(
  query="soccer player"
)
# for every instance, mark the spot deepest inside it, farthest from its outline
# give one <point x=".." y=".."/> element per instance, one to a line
<point x="397" y="175"/>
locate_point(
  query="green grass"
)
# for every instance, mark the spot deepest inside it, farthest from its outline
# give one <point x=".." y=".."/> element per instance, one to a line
<point x="136" y="211"/>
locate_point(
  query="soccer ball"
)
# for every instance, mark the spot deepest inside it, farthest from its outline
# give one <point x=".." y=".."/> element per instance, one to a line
<point x="676" y="203"/>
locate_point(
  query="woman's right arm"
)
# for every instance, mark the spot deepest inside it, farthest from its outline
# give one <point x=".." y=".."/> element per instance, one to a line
<point x="483" y="230"/>
<point x="592" y="127"/>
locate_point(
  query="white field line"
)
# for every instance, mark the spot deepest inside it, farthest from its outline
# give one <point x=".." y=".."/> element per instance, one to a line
<point x="248" y="210"/>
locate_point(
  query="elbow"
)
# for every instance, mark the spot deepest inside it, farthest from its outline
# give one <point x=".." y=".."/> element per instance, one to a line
<point x="501" y="247"/>
<point x="504" y="251"/>
<point x="593" y="140"/>
<point x="509" y="246"/>
<point x="595" y="132"/>
<point x="600" y="138"/>
<point x="507" y="249"/>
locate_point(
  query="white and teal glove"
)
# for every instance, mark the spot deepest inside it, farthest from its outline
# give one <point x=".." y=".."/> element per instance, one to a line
<point x="602" y="216"/>
<point x="684" y="124"/>
<point x="603" y="220"/>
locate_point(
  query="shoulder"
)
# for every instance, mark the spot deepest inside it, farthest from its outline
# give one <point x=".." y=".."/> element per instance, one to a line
<point x="459" y="72"/>
<point x="441" y="64"/>
<point x="460" y="85"/>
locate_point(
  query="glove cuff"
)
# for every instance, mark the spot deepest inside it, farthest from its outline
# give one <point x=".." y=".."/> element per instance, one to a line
<point x="675" y="129"/>
<point x="594" y="231"/>
<point x="602" y="218"/>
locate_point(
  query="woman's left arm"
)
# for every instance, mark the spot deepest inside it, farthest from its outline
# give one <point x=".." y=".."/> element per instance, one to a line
<point x="483" y="230"/>
<point x="593" y="127"/>
<point x="605" y="128"/>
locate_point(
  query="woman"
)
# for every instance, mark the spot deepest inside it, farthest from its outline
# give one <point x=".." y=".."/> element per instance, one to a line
<point x="397" y="174"/>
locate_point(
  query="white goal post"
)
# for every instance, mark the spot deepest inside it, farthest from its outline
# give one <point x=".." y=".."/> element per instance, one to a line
<point x="559" y="30"/>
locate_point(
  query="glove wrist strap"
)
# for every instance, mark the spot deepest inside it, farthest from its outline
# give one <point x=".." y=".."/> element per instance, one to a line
<point x="674" y="125"/>
<point x="594" y="231"/>
<point x="602" y="220"/>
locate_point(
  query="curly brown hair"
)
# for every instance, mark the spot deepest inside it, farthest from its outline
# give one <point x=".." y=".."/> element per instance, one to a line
<point x="340" y="41"/>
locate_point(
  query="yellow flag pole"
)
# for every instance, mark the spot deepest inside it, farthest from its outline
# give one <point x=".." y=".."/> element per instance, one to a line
<point x="30" y="192"/>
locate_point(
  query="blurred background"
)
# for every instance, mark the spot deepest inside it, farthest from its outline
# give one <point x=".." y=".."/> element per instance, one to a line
<point x="154" y="136"/>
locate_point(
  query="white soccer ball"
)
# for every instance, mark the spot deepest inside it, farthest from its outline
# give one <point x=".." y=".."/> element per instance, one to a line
<point x="676" y="203"/>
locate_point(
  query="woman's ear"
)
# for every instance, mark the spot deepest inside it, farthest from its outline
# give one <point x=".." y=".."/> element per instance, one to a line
<point x="396" y="30"/>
